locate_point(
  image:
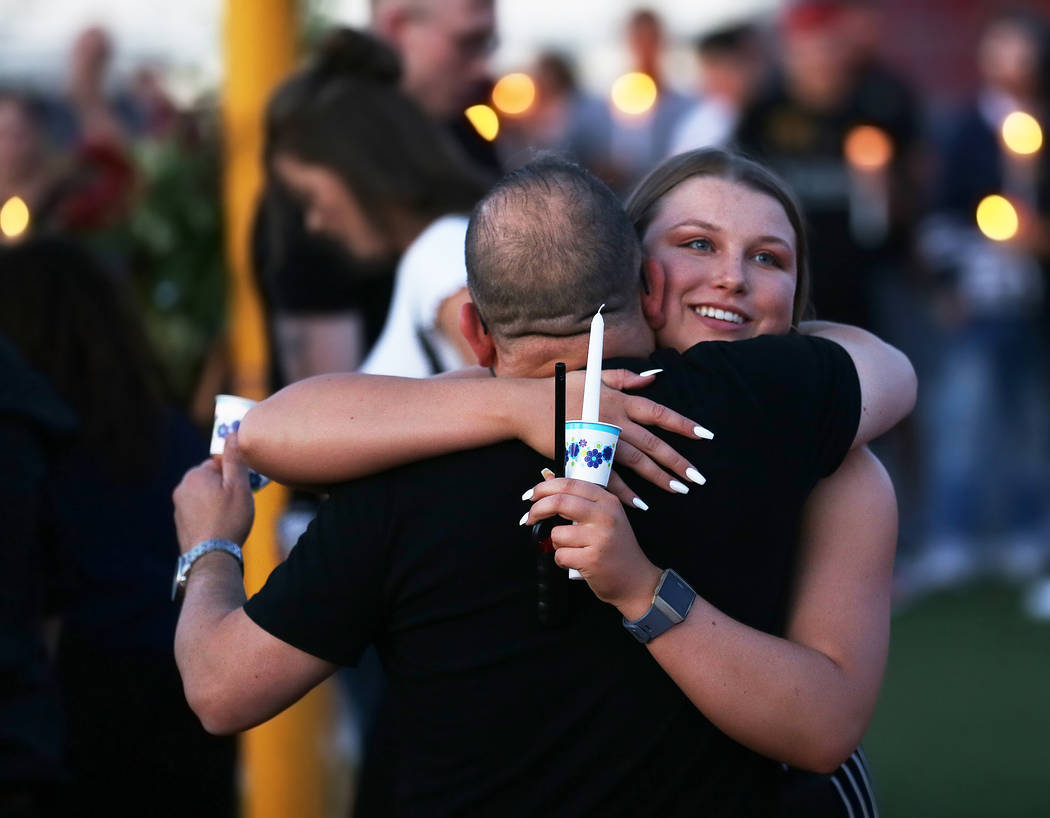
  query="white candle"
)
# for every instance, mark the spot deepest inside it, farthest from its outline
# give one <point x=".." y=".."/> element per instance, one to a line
<point x="592" y="384"/>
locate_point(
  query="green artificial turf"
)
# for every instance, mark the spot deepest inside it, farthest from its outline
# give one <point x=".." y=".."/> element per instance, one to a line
<point x="963" y="722"/>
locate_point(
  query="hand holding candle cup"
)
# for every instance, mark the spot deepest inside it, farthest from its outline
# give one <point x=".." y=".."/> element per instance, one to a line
<point x="229" y="411"/>
<point x="590" y="445"/>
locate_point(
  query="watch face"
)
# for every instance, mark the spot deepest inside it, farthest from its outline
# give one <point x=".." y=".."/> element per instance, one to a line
<point x="677" y="594"/>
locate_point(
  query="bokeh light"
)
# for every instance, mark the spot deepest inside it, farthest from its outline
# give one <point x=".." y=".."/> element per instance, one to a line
<point x="634" y="93"/>
<point x="868" y="147"/>
<point x="484" y="120"/>
<point x="14" y="217"/>
<point x="514" y="94"/>
<point x="1021" y="133"/>
<point x="997" y="218"/>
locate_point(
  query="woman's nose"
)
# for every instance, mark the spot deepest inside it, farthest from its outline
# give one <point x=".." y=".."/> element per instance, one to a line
<point x="731" y="276"/>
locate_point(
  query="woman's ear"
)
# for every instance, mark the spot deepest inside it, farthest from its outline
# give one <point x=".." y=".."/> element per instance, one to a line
<point x="653" y="281"/>
<point x="473" y="329"/>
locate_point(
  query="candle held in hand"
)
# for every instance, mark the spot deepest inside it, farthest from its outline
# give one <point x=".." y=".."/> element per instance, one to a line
<point x="592" y="384"/>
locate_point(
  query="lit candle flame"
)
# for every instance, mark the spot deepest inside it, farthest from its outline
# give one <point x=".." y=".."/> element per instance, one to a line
<point x="514" y="94"/>
<point x="634" y="93"/>
<point x="997" y="218"/>
<point x="1022" y="134"/>
<point x="14" y="217"/>
<point x="484" y="120"/>
<point x="868" y="147"/>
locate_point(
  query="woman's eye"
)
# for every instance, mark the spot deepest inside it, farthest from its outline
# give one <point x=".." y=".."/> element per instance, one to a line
<point x="700" y="244"/>
<point x="768" y="259"/>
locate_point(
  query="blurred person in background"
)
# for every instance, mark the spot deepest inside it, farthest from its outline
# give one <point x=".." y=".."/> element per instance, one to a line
<point x="81" y="190"/>
<point x="444" y="46"/>
<point x="564" y="119"/>
<point x="92" y="127"/>
<point x="97" y="119"/>
<point x="158" y="114"/>
<point x="732" y="67"/>
<point x="986" y="414"/>
<point x="799" y="126"/>
<point x="26" y="168"/>
<point x="325" y="308"/>
<point x="376" y="173"/>
<point x="843" y="130"/>
<point x="105" y="513"/>
<point x="641" y="140"/>
<point x="36" y="428"/>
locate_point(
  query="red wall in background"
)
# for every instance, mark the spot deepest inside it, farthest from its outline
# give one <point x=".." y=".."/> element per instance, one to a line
<point x="933" y="41"/>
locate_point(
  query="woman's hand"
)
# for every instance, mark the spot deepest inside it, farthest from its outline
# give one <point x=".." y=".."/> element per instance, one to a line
<point x="639" y="449"/>
<point x="601" y="546"/>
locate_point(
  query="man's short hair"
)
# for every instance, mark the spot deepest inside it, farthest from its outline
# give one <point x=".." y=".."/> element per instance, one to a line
<point x="547" y="246"/>
<point x="728" y="40"/>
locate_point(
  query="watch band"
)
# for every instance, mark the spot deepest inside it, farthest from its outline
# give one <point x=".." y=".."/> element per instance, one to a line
<point x="185" y="563"/>
<point x="671" y="603"/>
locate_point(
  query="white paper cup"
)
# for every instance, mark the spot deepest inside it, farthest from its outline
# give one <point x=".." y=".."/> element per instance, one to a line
<point x="590" y="448"/>
<point x="229" y="411"/>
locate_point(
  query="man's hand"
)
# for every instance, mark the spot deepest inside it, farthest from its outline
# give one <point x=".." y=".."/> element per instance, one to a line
<point x="215" y="501"/>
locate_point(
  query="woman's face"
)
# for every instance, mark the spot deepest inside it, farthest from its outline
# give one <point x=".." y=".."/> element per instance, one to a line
<point x="728" y="255"/>
<point x="329" y="206"/>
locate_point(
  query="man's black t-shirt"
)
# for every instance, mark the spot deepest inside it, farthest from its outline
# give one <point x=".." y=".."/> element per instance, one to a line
<point x="496" y="715"/>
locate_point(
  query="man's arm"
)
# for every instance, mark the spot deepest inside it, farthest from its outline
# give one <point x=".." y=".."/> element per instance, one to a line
<point x="887" y="379"/>
<point x="235" y="674"/>
<point x="805" y="699"/>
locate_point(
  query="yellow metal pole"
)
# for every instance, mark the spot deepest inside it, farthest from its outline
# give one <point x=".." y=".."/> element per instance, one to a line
<point x="283" y="761"/>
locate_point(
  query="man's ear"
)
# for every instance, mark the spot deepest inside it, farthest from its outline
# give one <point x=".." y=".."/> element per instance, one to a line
<point x="389" y="20"/>
<point x="473" y="329"/>
<point x="654" y="281"/>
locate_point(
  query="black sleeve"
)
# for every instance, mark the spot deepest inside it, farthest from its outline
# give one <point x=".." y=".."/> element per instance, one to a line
<point x="808" y="392"/>
<point x="327" y="597"/>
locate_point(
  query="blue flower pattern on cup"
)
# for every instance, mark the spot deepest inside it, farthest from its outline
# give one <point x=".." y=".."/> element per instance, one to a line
<point x="576" y="450"/>
<point x="224" y="430"/>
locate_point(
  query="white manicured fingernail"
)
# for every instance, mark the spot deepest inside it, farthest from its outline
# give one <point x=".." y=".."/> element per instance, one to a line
<point x="527" y="495"/>
<point x="681" y="488"/>
<point x="638" y="502"/>
<point x="546" y="473"/>
<point x="706" y="434"/>
<point x="649" y="372"/>
<point x="695" y="476"/>
<point x="524" y="519"/>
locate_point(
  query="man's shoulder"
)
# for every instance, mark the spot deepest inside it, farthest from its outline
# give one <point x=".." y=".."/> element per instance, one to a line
<point x="758" y="352"/>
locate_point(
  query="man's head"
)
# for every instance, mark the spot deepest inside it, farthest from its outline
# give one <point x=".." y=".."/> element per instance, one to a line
<point x="731" y="64"/>
<point x="444" y="47"/>
<point x="545" y="248"/>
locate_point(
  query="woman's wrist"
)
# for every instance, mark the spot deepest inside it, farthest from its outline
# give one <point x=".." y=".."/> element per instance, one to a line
<point x="637" y="604"/>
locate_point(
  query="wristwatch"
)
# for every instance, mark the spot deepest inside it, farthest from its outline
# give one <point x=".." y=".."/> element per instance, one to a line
<point x="185" y="563"/>
<point x="671" y="604"/>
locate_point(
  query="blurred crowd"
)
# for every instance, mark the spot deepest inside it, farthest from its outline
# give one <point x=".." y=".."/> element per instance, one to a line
<point x="929" y="225"/>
